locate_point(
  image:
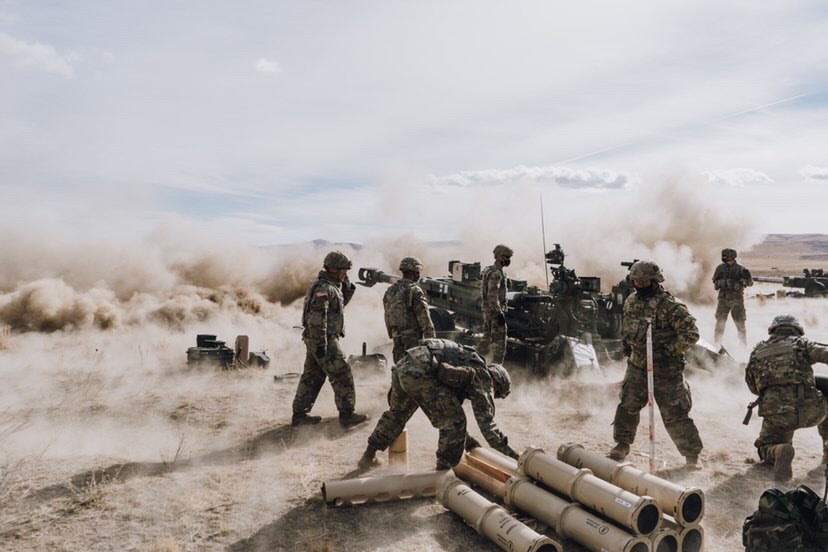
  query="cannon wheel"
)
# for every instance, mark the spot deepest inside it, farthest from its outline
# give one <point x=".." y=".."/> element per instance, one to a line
<point x="442" y="319"/>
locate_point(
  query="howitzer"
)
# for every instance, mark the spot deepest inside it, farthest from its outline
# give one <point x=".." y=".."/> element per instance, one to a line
<point x="813" y="282"/>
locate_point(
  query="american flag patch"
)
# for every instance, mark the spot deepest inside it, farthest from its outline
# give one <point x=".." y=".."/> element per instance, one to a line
<point x="321" y="294"/>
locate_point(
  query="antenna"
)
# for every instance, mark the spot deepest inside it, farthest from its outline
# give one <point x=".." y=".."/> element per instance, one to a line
<point x="543" y="240"/>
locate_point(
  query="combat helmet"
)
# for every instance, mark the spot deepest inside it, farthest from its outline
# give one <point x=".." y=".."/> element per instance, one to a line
<point x="411" y="264"/>
<point x="785" y="321"/>
<point x="728" y="252"/>
<point x="501" y="382"/>
<point x="337" y="259"/>
<point x="646" y="270"/>
<point x="502" y="250"/>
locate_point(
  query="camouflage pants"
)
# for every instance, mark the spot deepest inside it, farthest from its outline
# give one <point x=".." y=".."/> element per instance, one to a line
<point x="494" y="339"/>
<point x="735" y="307"/>
<point x="778" y="429"/>
<point x="403" y="342"/>
<point x="440" y="404"/>
<point x="333" y="367"/>
<point x="672" y="395"/>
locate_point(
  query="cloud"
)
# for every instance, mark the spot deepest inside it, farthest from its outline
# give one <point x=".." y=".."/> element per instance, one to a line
<point x="814" y="173"/>
<point x="264" y="65"/>
<point x="738" y="178"/>
<point x="588" y="178"/>
<point x="35" y="55"/>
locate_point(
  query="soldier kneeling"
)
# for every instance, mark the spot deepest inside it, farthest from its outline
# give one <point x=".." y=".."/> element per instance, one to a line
<point x="437" y="376"/>
<point x="780" y="372"/>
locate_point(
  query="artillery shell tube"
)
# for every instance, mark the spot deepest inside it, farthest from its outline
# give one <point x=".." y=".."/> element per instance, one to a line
<point x="492" y="521"/>
<point x="398" y="450"/>
<point x="690" y="538"/>
<point x="684" y="504"/>
<point x="496" y="459"/>
<point x="570" y="520"/>
<point x="641" y="514"/>
<point x="472" y="473"/>
<point x="343" y="492"/>
<point x="665" y="540"/>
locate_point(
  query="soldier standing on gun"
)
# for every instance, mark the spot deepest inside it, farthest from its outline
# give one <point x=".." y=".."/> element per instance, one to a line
<point x="406" y="309"/>
<point x="674" y="331"/>
<point x="730" y="279"/>
<point x="438" y="376"/>
<point x="323" y="323"/>
<point x="493" y="295"/>
<point x="780" y="372"/>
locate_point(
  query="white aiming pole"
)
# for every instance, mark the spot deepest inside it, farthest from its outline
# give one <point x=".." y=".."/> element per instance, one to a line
<point x="650" y="393"/>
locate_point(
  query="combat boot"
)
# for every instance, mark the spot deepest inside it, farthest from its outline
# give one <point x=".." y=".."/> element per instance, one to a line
<point x="368" y="458"/>
<point x="301" y="418"/>
<point x="782" y="457"/>
<point x="619" y="452"/>
<point x="350" y="419"/>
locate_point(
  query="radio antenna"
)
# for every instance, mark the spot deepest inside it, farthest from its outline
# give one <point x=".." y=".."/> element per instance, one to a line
<point x="543" y="240"/>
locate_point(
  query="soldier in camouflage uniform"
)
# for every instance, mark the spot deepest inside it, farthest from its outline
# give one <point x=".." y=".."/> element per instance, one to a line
<point x="406" y="309"/>
<point x="438" y="376"/>
<point x="493" y="297"/>
<point x="674" y="331"/>
<point x="779" y="371"/>
<point x="323" y="323"/>
<point x="730" y="279"/>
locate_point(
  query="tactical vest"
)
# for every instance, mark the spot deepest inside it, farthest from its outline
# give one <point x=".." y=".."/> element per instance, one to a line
<point x="336" y="319"/>
<point x="780" y="363"/>
<point x="398" y="302"/>
<point x="635" y="323"/>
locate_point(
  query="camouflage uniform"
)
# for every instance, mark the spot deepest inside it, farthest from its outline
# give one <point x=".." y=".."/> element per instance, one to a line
<point x="779" y="371"/>
<point x="674" y="332"/>
<point x="323" y="322"/>
<point x="493" y="303"/>
<point x="406" y="316"/>
<point x="415" y="384"/>
<point x="730" y="281"/>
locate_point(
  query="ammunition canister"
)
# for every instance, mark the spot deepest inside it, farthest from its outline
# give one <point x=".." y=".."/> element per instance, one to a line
<point x="398" y="450"/>
<point x="343" y="492"/>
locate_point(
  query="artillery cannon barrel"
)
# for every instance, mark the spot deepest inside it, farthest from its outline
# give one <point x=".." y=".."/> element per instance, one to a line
<point x="343" y="492"/>
<point x="684" y="504"/>
<point x="371" y="276"/>
<point x="569" y="519"/>
<point x="769" y="279"/>
<point x="493" y="521"/>
<point x="641" y="514"/>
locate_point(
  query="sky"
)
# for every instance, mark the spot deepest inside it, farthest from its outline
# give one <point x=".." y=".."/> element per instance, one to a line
<point x="274" y="122"/>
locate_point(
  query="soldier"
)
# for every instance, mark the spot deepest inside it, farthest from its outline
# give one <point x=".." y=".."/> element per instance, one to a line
<point x="437" y="376"/>
<point x="493" y="295"/>
<point x="674" y="331"/>
<point x="323" y="323"/>
<point x="779" y="372"/>
<point x="731" y="278"/>
<point x="406" y="309"/>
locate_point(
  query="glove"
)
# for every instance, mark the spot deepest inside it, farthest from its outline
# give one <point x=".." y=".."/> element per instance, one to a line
<point x="321" y="352"/>
<point x="471" y="443"/>
<point x="348" y="290"/>
<point x="501" y="318"/>
<point x="512" y="453"/>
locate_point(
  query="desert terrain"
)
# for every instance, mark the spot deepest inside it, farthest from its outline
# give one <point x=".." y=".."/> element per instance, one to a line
<point x="109" y="441"/>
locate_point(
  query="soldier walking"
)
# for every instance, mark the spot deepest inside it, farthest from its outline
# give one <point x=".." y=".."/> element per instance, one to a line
<point x="674" y="331"/>
<point x="730" y="279"/>
<point x="438" y="376"/>
<point x="493" y="297"/>
<point x="406" y="309"/>
<point x="324" y="325"/>
<point x="779" y="372"/>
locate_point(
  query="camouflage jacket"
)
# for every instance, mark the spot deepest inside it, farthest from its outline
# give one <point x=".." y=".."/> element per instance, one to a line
<point x="674" y="328"/>
<point x="493" y="290"/>
<point x="406" y="310"/>
<point x="322" y="313"/>
<point x="731" y="280"/>
<point x="783" y="361"/>
<point x="422" y="362"/>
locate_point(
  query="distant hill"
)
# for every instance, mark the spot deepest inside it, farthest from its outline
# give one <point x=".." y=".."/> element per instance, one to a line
<point x="787" y="253"/>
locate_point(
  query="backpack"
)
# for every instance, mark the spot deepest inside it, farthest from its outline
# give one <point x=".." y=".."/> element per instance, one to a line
<point x="786" y="521"/>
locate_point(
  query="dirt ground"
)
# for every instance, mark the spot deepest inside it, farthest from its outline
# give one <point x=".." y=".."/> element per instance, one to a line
<point x="109" y="441"/>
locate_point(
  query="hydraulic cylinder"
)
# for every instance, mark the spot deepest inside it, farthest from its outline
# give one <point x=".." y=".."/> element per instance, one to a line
<point x="383" y="488"/>
<point x="684" y="504"/>
<point x="641" y="514"/>
<point x="493" y="521"/>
